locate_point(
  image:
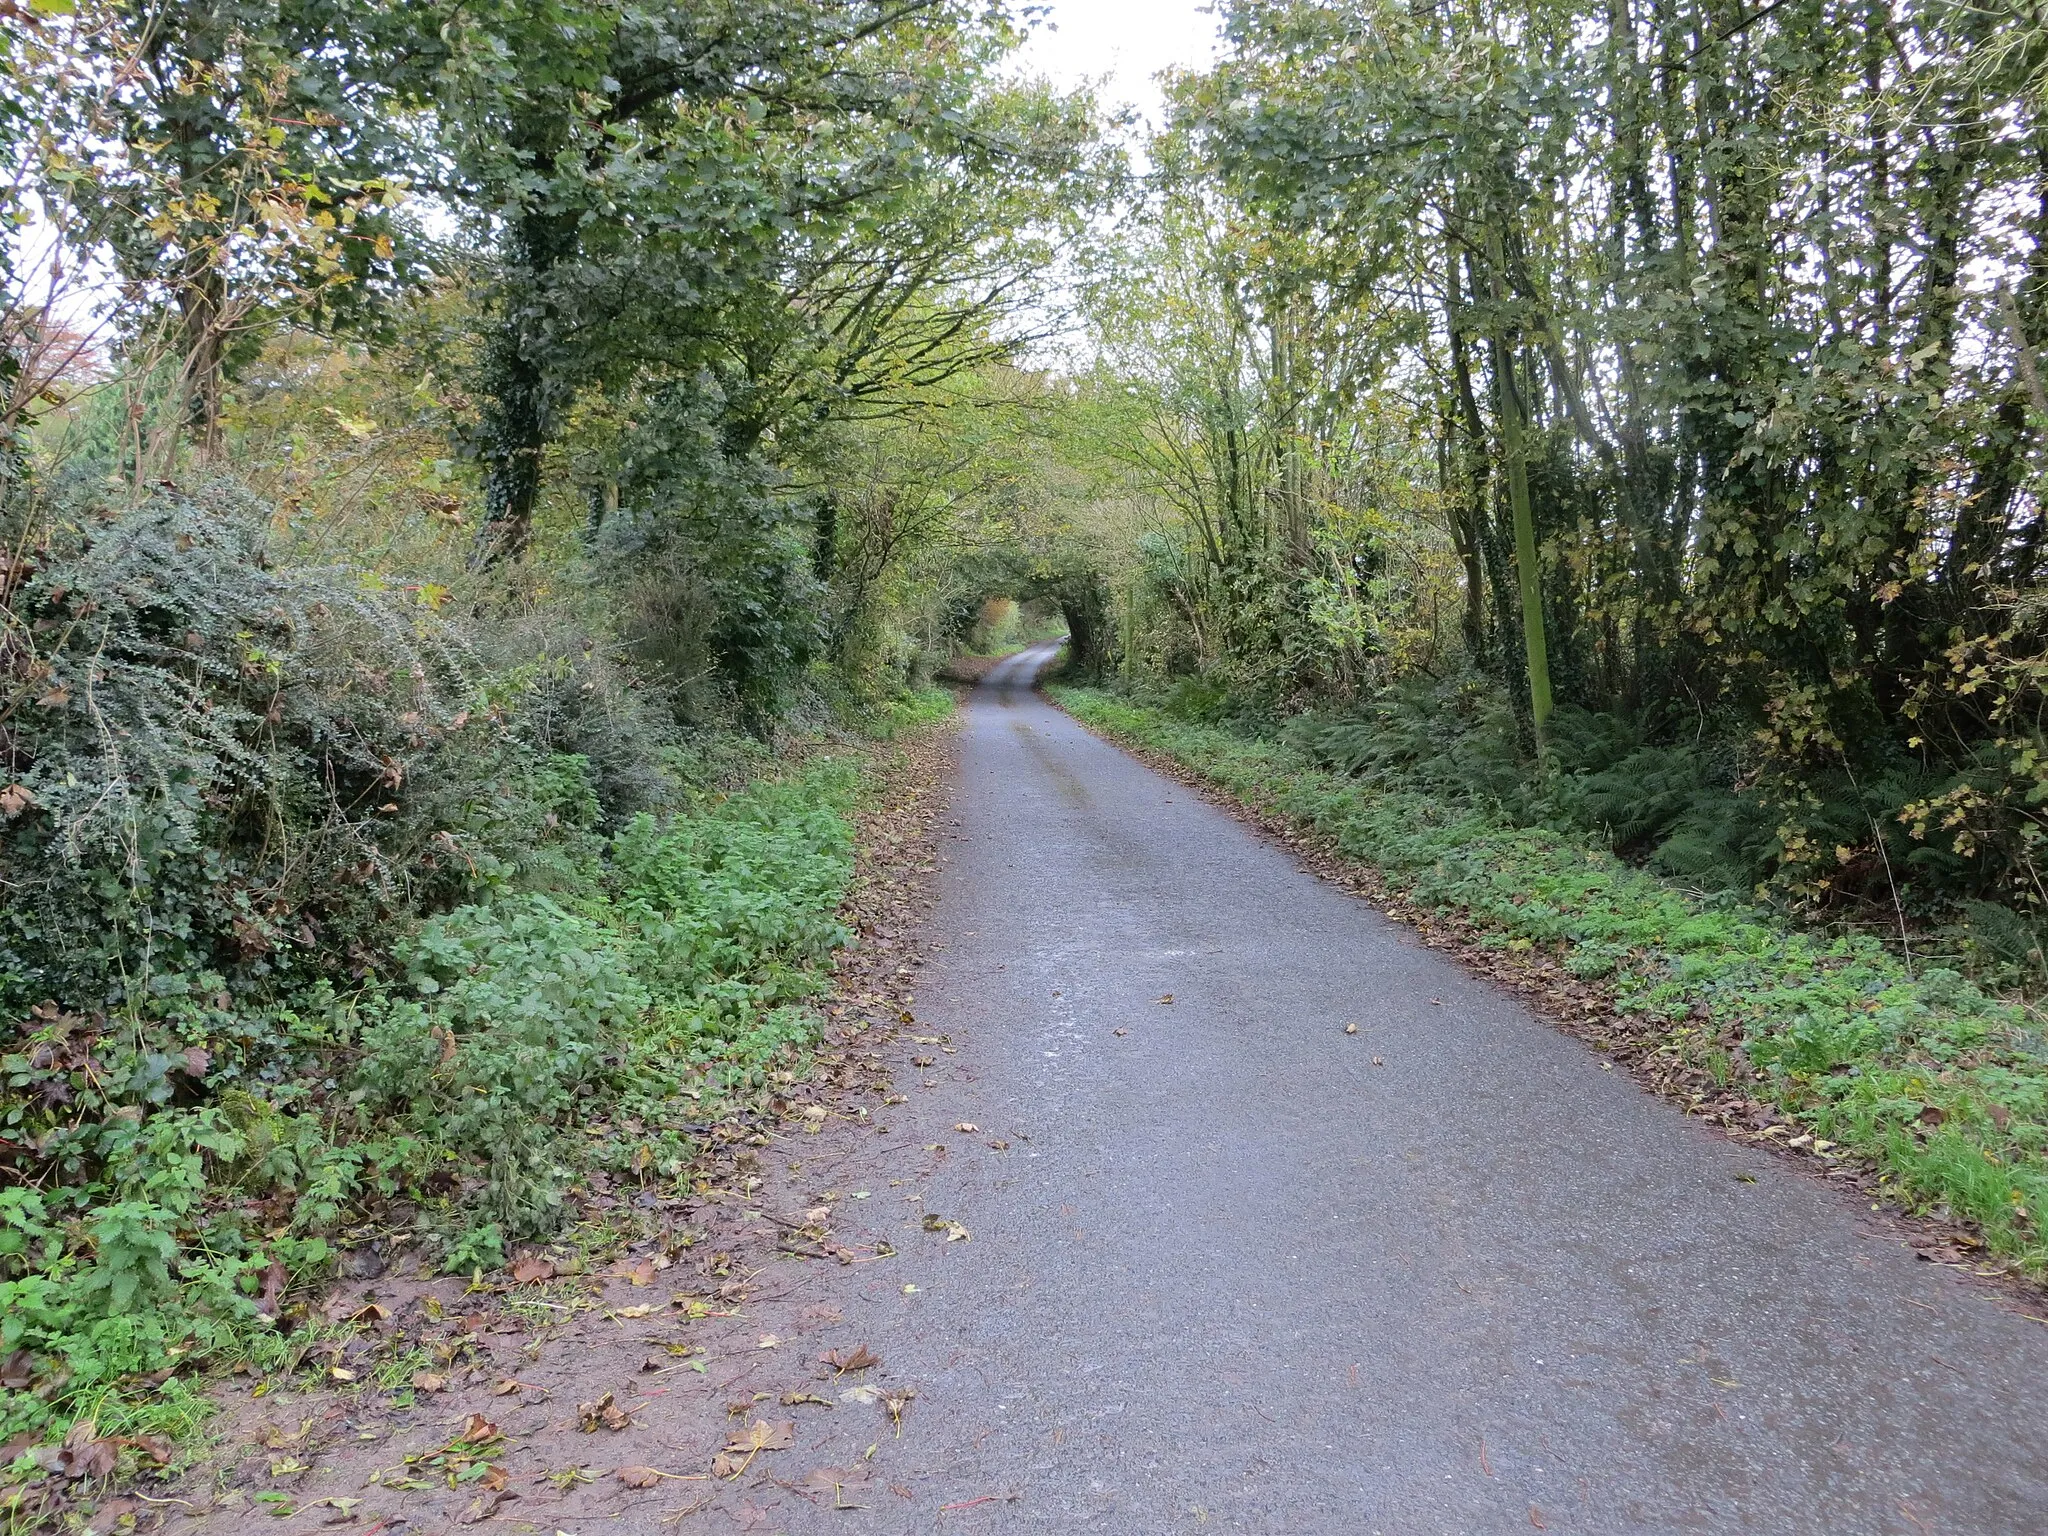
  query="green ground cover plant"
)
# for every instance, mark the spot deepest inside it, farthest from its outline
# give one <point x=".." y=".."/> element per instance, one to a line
<point x="1943" y="1088"/>
<point x="643" y="1000"/>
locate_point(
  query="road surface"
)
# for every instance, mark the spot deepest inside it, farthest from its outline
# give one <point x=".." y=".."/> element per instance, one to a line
<point x="1241" y="1271"/>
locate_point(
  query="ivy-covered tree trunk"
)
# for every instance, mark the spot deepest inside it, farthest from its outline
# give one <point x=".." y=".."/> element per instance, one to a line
<point x="522" y="383"/>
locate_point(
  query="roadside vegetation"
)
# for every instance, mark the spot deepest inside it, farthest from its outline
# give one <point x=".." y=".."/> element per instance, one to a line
<point x="1588" y="460"/>
<point x="475" y="485"/>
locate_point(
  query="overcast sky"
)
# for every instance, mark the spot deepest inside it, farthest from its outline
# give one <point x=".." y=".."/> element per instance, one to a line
<point x="1128" y="41"/>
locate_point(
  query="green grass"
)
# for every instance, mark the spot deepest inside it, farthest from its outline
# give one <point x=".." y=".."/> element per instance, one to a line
<point x="1940" y="1087"/>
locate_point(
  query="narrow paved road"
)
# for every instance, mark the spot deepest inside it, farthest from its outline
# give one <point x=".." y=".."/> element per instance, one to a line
<point x="1241" y="1271"/>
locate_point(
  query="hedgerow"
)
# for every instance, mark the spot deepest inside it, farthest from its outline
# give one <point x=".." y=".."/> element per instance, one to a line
<point x="313" y="919"/>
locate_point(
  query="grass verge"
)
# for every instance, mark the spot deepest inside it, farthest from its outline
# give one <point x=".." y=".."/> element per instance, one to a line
<point x="1941" y="1089"/>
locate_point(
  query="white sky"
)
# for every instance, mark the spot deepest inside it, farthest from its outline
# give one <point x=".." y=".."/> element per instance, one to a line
<point x="1120" y="45"/>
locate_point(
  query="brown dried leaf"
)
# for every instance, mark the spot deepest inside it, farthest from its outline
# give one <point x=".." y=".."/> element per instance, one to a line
<point x="85" y="1453"/>
<point x="430" y="1381"/>
<point x="858" y="1359"/>
<point x="273" y="1437"/>
<point x="507" y="1386"/>
<point x="837" y="1481"/>
<point x="485" y="1505"/>
<point x="532" y="1270"/>
<point x="762" y="1435"/>
<point x="478" y="1430"/>
<point x="639" y="1477"/>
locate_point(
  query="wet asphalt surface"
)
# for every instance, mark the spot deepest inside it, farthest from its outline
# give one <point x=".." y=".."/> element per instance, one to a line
<point x="1240" y="1271"/>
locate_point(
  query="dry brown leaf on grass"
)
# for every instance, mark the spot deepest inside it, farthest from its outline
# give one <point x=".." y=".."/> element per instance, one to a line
<point x="429" y="1381"/>
<point x="860" y="1358"/>
<point x="532" y="1270"/>
<point x="639" y="1272"/>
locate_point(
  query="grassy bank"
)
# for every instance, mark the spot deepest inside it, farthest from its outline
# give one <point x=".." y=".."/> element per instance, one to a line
<point x="585" y="1026"/>
<point x="1940" y="1087"/>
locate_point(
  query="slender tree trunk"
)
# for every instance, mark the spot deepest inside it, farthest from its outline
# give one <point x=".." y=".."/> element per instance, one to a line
<point x="1527" y="577"/>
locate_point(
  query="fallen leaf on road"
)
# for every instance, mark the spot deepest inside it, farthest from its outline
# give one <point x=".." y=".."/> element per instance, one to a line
<point x="768" y="1341"/>
<point x="763" y="1435"/>
<point x="430" y="1381"/>
<point x="604" y="1413"/>
<point x="741" y="1450"/>
<point x="641" y="1273"/>
<point x="370" y="1312"/>
<point x="794" y="1398"/>
<point x="485" y="1505"/>
<point x="647" y="1477"/>
<point x="835" y="1481"/>
<point x="532" y="1269"/>
<point x="1119" y="1031"/>
<point x="506" y="1387"/>
<point x="859" y="1359"/>
<point x="1377" y="1062"/>
<point x="967" y="1128"/>
<point x="1350" y="1029"/>
<point x="478" y="1430"/>
<point x="1167" y="998"/>
<point x="999" y="1146"/>
<point x="867" y="1392"/>
<point x="632" y="1312"/>
<point x="894" y="1403"/>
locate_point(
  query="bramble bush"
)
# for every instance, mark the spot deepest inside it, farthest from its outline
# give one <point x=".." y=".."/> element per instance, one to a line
<point x="316" y="910"/>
